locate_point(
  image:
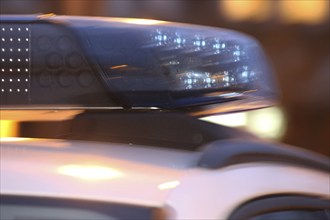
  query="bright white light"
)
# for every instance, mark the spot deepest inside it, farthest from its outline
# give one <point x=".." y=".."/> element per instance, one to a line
<point x="138" y="21"/>
<point x="87" y="172"/>
<point x="13" y="139"/>
<point x="231" y="120"/>
<point x="266" y="123"/>
<point x="169" y="185"/>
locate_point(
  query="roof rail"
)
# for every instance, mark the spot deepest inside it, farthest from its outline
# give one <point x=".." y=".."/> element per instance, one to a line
<point x="222" y="153"/>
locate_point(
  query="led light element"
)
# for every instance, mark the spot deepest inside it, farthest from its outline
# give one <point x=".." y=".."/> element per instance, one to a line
<point x="11" y="61"/>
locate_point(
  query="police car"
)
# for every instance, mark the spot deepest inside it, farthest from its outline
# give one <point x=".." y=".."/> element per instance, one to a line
<point x="110" y="128"/>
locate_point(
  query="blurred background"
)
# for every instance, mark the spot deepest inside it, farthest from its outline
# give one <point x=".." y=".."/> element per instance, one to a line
<point x="294" y="33"/>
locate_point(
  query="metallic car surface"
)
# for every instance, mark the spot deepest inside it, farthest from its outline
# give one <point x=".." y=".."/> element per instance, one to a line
<point x="146" y="176"/>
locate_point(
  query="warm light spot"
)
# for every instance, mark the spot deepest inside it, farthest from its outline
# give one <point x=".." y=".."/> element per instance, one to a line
<point x="13" y="139"/>
<point x="231" y="120"/>
<point x="87" y="172"/>
<point x="266" y="123"/>
<point x="241" y="10"/>
<point x="118" y="67"/>
<point x="307" y="11"/>
<point x="139" y="21"/>
<point x="8" y="128"/>
<point x="44" y="16"/>
<point x="169" y="185"/>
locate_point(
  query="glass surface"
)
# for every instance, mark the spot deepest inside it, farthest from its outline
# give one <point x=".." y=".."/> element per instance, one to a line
<point x="18" y="212"/>
<point x="44" y="208"/>
<point x="170" y="65"/>
<point x="61" y="62"/>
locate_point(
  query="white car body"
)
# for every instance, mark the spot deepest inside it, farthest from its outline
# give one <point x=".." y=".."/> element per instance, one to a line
<point x="149" y="176"/>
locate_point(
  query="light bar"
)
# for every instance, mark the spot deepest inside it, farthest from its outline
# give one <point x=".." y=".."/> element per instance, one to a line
<point x="63" y="62"/>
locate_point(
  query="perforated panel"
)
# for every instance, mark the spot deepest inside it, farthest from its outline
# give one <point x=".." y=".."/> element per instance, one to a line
<point x="15" y="62"/>
<point x="44" y="66"/>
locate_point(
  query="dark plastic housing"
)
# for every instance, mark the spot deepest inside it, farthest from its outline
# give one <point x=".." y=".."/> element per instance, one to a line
<point x="220" y="146"/>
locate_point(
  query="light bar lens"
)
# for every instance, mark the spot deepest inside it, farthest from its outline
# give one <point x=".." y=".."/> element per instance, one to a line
<point x="79" y="62"/>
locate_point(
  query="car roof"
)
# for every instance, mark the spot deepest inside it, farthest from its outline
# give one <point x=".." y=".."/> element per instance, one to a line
<point x="143" y="175"/>
<point x="45" y="166"/>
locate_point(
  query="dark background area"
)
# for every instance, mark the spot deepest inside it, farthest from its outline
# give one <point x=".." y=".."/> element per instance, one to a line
<point x="294" y="33"/>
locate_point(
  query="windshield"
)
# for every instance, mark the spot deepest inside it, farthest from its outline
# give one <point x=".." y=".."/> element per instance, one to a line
<point x="37" y="208"/>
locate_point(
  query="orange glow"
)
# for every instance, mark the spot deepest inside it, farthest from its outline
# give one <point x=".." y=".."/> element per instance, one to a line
<point x="39" y="114"/>
<point x="118" y="67"/>
<point x="308" y="11"/>
<point x="289" y="11"/>
<point x="241" y="10"/>
<point x="8" y="128"/>
<point x="86" y="172"/>
<point x="46" y="15"/>
<point x="169" y="185"/>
